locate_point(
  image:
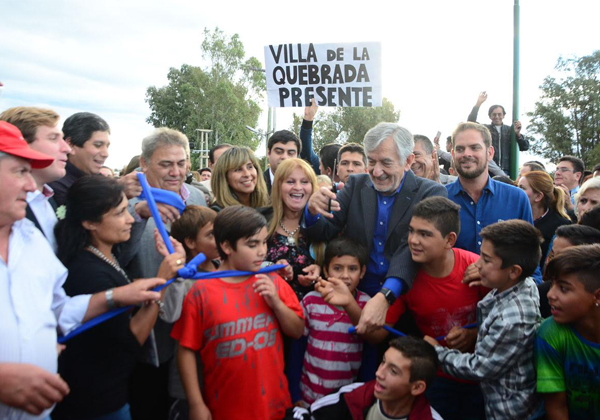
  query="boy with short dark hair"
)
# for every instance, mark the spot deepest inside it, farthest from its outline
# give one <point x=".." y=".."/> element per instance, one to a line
<point x="508" y="318"/>
<point x="439" y="301"/>
<point x="235" y="322"/>
<point x="566" y="236"/>
<point x="407" y="370"/>
<point x="567" y="347"/>
<point x="333" y="357"/>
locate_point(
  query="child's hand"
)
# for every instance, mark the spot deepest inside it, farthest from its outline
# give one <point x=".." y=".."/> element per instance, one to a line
<point x="461" y="339"/>
<point x="472" y="276"/>
<point x="431" y="341"/>
<point x="265" y="287"/>
<point x="312" y="275"/>
<point x="286" y="272"/>
<point x="335" y="292"/>
<point x="200" y="412"/>
<point x="161" y="247"/>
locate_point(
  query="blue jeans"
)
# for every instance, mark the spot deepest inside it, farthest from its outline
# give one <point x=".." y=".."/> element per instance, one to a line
<point x="456" y="400"/>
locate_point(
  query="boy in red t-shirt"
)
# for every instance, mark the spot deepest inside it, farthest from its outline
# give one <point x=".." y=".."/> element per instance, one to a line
<point x="235" y="323"/>
<point x="439" y="301"/>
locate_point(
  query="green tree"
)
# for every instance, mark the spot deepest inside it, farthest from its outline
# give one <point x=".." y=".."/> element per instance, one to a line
<point x="346" y="124"/>
<point x="222" y="97"/>
<point x="566" y="120"/>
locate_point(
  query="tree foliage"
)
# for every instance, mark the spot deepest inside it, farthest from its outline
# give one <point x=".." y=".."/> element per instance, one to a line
<point x="566" y="120"/>
<point x="346" y="124"/>
<point x="221" y="97"/>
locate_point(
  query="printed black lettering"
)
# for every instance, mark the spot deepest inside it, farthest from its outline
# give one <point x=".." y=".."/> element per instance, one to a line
<point x="279" y="78"/>
<point x="277" y="55"/>
<point x="283" y="95"/>
<point x="296" y="95"/>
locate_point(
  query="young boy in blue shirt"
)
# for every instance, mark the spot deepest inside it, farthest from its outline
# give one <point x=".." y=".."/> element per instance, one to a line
<point x="508" y="318"/>
<point x="567" y="347"/>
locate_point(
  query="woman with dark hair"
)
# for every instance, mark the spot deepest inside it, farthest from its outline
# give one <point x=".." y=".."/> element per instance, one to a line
<point x="547" y="206"/>
<point x="98" y="364"/>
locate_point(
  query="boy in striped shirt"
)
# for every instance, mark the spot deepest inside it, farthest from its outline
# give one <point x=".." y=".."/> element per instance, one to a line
<point x="333" y="356"/>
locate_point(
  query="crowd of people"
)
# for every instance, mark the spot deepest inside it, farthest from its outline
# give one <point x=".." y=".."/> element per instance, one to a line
<point x="417" y="282"/>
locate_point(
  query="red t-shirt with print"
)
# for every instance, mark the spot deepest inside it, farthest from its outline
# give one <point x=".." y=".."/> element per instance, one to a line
<point x="240" y="343"/>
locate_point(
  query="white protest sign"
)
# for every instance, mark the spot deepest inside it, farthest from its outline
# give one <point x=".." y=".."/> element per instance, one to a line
<point x="346" y="74"/>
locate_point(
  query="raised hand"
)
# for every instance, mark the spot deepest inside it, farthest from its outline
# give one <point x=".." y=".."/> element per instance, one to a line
<point x="518" y="126"/>
<point x="482" y="98"/>
<point x="265" y="287"/>
<point x="131" y="185"/>
<point x="472" y="276"/>
<point x="319" y="202"/>
<point x="334" y="291"/>
<point x="167" y="213"/>
<point x="312" y="275"/>
<point x="311" y="111"/>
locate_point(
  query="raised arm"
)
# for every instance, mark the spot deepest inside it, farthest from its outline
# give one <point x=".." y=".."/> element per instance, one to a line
<point x="306" y="129"/>
<point x="480" y="99"/>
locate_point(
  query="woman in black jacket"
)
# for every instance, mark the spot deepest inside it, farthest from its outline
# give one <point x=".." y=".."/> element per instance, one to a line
<point x="547" y="206"/>
<point x="98" y="364"/>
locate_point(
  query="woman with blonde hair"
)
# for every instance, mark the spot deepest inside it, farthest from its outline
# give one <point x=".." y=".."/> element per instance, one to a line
<point x="293" y="184"/>
<point x="547" y="205"/>
<point x="237" y="179"/>
<point x="587" y="197"/>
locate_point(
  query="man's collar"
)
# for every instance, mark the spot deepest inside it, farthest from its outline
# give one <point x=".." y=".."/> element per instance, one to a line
<point x="47" y="191"/>
<point x="490" y="185"/>
<point x="184" y="192"/>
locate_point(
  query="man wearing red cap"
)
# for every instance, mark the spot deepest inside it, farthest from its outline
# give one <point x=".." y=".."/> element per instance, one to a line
<point x="32" y="301"/>
<point x="39" y="129"/>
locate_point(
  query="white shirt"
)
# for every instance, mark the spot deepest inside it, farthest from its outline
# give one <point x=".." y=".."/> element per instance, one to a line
<point x="32" y="305"/>
<point x="44" y="213"/>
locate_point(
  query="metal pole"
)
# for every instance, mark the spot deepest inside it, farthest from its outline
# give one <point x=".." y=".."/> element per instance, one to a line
<point x="268" y="131"/>
<point x="514" y="150"/>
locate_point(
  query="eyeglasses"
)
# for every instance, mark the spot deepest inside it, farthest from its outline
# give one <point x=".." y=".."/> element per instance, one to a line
<point x="564" y="169"/>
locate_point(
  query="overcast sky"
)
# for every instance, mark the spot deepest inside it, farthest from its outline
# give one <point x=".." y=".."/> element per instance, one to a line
<point x="437" y="55"/>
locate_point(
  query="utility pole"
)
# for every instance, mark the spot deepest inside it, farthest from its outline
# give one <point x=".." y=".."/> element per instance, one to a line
<point x="514" y="149"/>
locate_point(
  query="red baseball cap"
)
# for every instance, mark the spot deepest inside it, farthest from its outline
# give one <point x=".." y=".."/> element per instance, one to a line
<point x="13" y="143"/>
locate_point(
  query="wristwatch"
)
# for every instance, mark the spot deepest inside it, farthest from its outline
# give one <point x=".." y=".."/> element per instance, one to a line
<point x="389" y="295"/>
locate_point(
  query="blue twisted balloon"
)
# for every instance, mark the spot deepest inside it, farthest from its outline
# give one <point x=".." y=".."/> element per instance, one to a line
<point x="189" y="271"/>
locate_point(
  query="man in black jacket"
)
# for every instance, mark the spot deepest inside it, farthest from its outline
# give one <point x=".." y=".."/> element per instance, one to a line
<point x="500" y="132"/>
<point x="282" y="145"/>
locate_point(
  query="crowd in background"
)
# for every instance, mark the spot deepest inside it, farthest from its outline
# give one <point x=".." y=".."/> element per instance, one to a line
<point x="495" y="280"/>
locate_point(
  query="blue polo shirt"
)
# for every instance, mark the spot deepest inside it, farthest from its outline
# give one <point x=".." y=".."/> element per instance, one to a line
<point x="498" y="202"/>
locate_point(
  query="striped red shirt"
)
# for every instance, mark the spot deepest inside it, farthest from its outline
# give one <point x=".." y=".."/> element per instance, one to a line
<point x="333" y="356"/>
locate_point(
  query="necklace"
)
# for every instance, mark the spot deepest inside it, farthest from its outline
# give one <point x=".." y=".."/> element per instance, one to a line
<point x="114" y="264"/>
<point x="291" y="234"/>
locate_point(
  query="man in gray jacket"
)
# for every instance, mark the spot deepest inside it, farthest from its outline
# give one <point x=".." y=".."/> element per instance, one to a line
<point x="164" y="162"/>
